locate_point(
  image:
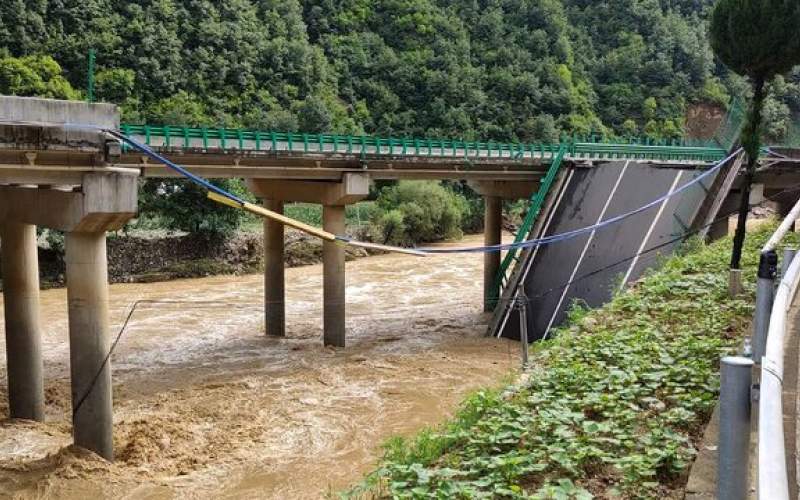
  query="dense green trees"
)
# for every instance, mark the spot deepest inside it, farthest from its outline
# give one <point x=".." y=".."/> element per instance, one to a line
<point x="757" y="39"/>
<point x="490" y="69"/>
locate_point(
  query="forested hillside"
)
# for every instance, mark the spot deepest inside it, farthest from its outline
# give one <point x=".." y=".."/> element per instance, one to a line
<point x="490" y="69"/>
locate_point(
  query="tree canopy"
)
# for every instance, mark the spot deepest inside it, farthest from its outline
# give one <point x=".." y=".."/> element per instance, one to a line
<point x="757" y="38"/>
<point x="489" y="69"/>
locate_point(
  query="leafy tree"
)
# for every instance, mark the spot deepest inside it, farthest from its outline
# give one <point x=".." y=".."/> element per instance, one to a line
<point x="38" y="76"/>
<point x="183" y="206"/>
<point x="757" y="39"/>
<point x="418" y="211"/>
<point x="115" y="85"/>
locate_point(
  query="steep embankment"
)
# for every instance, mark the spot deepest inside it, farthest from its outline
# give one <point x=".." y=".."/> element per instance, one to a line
<point x="613" y="408"/>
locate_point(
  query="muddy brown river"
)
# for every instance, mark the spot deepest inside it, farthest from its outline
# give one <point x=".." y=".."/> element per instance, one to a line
<point x="206" y="406"/>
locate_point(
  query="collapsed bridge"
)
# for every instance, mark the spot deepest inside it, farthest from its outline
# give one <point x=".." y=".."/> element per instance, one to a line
<point x="60" y="170"/>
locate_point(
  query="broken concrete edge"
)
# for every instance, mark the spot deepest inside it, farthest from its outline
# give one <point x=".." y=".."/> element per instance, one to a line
<point x="44" y="124"/>
<point x="54" y="112"/>
<point x="105" y="203"/>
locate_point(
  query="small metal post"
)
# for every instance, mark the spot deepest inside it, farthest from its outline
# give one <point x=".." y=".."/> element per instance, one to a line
<point x="90" y="77"/>
<point x="788" y="257"/>
<point x="522" y="307"/>
<point x="734" y="428"/>
<point x="765" y="291"/>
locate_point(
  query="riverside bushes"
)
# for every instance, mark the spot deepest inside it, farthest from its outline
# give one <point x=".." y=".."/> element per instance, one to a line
<point x="613" y="406"/>
<point x="418" y="211"/>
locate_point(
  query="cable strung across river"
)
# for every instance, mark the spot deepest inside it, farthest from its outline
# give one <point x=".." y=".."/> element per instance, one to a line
<point x="226" y="198"/>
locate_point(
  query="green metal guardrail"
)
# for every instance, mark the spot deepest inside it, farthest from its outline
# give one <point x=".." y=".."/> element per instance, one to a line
<point x="577" y="147"/>
<point x="535" y="207"/>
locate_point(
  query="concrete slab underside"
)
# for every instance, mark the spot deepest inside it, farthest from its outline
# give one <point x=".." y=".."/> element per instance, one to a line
<point x="588" y="268"/>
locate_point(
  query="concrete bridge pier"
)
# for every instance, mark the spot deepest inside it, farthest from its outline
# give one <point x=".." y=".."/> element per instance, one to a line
<point x="334" y="196"/>
<point x="494" y="192"/>
<point x="20" y="267"/>
<point x="89" y="341"/>
<point x="333" y="278"/>
<point x="274" y="294"/>
<point x="492" y="235"/>
<point x="102" y="202"/>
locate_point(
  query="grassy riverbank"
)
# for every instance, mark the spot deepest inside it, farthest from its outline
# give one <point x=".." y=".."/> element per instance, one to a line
<point x="612" y="408"/>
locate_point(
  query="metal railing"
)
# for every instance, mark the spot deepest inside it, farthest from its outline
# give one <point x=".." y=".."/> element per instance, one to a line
<point x="770" y="330"/>
<point x="593" y="147"/>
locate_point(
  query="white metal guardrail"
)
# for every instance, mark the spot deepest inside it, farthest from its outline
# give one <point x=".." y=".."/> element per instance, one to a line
<point x="773" y="481"/>
<point x="770" y="327"/>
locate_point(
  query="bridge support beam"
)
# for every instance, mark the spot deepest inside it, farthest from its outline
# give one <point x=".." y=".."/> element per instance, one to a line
<point x="333" y="196"/>
<point x="103" y="202"/>
<point x="494" y="192"/>
<point x="23" y="337"/>
<point x="274" y="289"/>
<point x="333" y="279"/>
<point x="89" y="341"/>
<point x="492" y="235"/>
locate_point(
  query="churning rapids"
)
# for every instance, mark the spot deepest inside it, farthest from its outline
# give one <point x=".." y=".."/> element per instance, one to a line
<point x="206" y="406"/>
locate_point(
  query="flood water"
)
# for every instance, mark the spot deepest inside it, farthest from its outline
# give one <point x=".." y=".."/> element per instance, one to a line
<point x="206" y="406"/>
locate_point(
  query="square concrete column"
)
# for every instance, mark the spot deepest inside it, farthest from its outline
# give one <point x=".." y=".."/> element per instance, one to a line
<point x="333" y="280"/>
<point x="492" y="233"/>
<point x="23" y="338"/>
<point x="274" y="289"/>
<point x="89" y="342"/>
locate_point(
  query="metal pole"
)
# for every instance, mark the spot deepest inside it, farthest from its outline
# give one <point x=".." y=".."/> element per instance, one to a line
<point x="523" y="326"/>
<point x="788" y="257"/>
<point x="90" y="77"/>
<point x="765" y="291"/>
<point x="734" y="427"/>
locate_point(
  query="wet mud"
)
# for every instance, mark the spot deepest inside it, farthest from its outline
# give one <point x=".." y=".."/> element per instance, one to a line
<point x="206" y="406"/>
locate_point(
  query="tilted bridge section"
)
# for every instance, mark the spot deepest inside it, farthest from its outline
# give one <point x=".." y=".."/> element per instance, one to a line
<point x="59" y="170"/>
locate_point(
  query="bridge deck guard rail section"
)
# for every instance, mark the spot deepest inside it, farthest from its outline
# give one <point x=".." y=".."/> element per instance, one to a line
<point x="223" y="139"/>
<point x="534" y="207"/>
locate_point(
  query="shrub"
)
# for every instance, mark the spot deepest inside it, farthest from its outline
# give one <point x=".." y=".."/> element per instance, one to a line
<point x="418" y="211"/>
<point x="183" y="206"/>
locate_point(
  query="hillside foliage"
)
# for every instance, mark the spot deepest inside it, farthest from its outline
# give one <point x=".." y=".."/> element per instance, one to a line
<point x="490" y="69"/>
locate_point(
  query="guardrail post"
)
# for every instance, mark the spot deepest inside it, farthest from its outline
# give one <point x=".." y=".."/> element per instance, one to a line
<point x="765" y="291"/>
<point x="788" y="257"/>
<point x="522" y="307"/>
<point x="734" y="428"/>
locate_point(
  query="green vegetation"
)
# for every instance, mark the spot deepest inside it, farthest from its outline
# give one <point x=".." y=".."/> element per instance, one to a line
<point x="357" y="215"/>
<point x="614" y="405"/>
<point x="500" y="70"/>
<point x="490" y="69"/>
<point x="183" y="206"/>
<point x="757" y="39"/>
<point x="418" y="211"/>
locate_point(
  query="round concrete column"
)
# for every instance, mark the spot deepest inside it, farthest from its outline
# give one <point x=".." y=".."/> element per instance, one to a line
<point x="492" y="233"/>
<point x="89" y="342"/>
<point x="23" y="339"/>
<point x="274" y="292"/>
<point x="333" y="282"/>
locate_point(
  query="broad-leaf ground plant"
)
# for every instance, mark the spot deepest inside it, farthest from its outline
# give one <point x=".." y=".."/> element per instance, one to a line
<point x="613" y="407"/>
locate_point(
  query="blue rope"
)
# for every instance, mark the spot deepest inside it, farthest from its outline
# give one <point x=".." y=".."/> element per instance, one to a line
<point x="577" y="232"/>
<point x="429" y="250"/>
<point x="192" y="177"/>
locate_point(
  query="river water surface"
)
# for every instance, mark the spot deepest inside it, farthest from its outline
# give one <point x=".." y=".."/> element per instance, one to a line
<point x="206" y="406"/>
